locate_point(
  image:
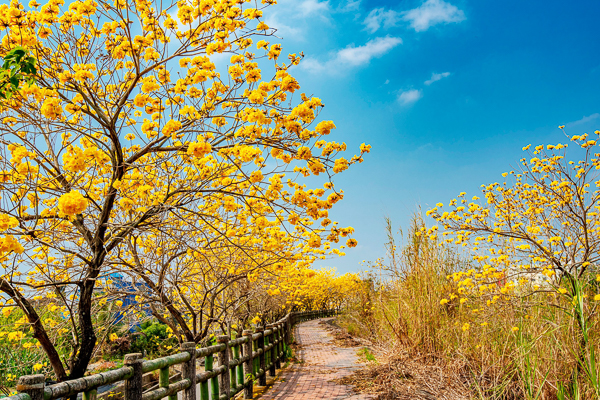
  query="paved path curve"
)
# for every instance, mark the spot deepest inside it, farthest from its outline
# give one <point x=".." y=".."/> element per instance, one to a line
<point x="320" y="362"/>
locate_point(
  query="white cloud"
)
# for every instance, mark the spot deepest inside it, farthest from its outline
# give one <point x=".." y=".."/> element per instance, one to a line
<point x="433" y="12"/>
<point x="352" y="56"/>
<point x="410" y="96"/>
<point x="364" y="54"/>
<point x="378" y="17"/>
<point x="436" y="77"/>
<point x="584" y="120"/>
<point x="308" y="7"/>
<point x="283" y="29"/>
<point x="351" y="5"/>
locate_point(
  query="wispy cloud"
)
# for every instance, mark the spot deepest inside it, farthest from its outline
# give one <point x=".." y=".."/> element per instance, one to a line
<point x="351" y="5"/>
<point x="354" y="56"/>
<point x="379" y="17"/>
<point x="410" y="96"/>
<point x="274" y="21"/>
<point x="584" y="120"/>
<point x="309" y="7"/>
<point x="433" y="12"/>
<point x="436" y="77"/>
<point x="372" y="49"/>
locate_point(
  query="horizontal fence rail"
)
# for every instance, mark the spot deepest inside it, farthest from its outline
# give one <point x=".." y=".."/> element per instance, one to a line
<point x="241" y="363"/>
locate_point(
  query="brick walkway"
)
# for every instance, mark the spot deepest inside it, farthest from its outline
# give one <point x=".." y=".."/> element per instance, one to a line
<point x="320" y="362"/>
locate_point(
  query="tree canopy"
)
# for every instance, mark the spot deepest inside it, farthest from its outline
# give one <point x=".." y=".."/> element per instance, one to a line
<point x="140" y="150"/>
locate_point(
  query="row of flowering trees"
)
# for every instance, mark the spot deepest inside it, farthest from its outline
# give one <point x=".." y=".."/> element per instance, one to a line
<point x="127" y="150"/>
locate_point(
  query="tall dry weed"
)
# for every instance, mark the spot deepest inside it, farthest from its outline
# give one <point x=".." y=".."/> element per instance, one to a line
<point x="510" y="348"/>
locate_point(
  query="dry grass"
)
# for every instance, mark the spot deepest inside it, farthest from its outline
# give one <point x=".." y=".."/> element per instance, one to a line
<point x="409" y="378"/>
<point x="341" y="337"/>
<point x="527" y="348"/>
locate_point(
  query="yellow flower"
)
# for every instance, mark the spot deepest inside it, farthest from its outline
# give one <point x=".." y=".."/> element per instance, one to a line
<point x="314" y="241"/>
<point x="37" y="367"/>
<point x="597" y="297"/>
<point x="466" y="326"/>
<point x="514" y="329"/>
<point x="51" y="108"/>
<point x="443" y="301"/>
<point x="199" y="149"/>
<point x="304" y="153"/>
<point x="7" y="222"/>
<point x="325" y="127"/>
<point x="72" y="203"/>
<point x="171" y="127"/>
<point x="113" y="337"/>
<point x="256" y="176"/>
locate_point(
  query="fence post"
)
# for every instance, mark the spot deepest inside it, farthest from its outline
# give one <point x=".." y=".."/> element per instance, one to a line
<point x="240" y="368"/>
<point x="91" y="394"/>
<point x="214" y="383"/>
<point x="248" y="366"/>
<point x="233" y="370"/>
<point x="133" y="385"/>
<point x="224" y="384"/>
<point x="267" y="352"/>
<point x="163" y="381"/>
<point x="188" y="370"/>
<point x="262" y="380"/>
<point x="272" y="352"/>
<point x="33" y="385"/>
<point x="279" y="346"/>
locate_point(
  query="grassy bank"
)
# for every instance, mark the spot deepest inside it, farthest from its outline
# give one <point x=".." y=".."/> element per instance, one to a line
<point x="502" y="344"/>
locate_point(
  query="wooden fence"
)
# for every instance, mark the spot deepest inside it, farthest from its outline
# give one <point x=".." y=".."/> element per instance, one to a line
<point x="242" y="363"/>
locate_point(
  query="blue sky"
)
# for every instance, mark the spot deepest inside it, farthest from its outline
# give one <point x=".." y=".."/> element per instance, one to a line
<point x="447" y="93"/>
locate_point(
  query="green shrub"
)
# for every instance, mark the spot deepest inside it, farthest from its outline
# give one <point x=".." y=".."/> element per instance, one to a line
<point x="152" y="339"/>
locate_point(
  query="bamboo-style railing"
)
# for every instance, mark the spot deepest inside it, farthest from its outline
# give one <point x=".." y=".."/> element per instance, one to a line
<point x="242" y="363"/>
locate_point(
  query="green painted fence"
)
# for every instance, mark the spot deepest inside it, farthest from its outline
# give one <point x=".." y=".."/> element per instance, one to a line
<point x="241" y="364"/>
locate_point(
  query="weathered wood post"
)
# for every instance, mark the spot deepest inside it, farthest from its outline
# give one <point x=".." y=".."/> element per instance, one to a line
<point x="262" y="365"/>
<point x="33" y="385"/>
<point x="133" y="385"/>
<point x="188" y="370"/>
<point x="224" y="384"/>
<point x="248" y="366"/>
<point x="273" y="351"/>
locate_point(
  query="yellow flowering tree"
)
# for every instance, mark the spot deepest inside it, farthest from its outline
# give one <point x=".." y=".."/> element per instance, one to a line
<point x="195" y="288"/>
<point x="539" y="231"/>
<point x="132" y="133"/>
